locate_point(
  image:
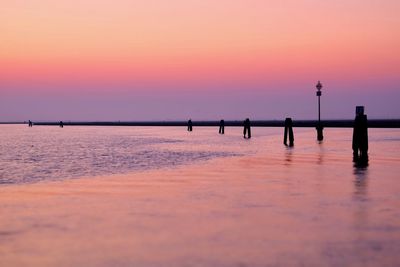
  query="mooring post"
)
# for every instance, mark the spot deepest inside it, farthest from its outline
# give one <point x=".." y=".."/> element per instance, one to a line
<point x="190" y="125"/>
<point x="221" y="127"/>
<point x="320" y="135"/>
<point x="288" y="131"/>
<point x="61" y="124"/>
<point x="360" y="135"/>
<point x="246" y="128"/>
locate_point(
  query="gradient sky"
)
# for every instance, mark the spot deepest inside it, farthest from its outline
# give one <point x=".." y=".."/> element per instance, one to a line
<point x="203" y="59"/>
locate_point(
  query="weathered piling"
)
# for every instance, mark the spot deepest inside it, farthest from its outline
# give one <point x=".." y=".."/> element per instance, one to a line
<point x="61" y="124"/>
<point x="190" y="125"/>
<point x="288" y="131"/>
<point x="221" y="127"/>
<point x="246" y="128"/>
<point x="320" y="135"/>
<point x="30" y="124"/>
<point x="360" y="135"/>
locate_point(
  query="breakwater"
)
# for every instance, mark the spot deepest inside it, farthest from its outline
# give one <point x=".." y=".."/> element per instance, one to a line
<point x="377" y="123"/>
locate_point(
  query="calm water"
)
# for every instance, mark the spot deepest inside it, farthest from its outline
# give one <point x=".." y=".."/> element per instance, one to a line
<point x="50" y="153"/>
<point x="196" y="199"/>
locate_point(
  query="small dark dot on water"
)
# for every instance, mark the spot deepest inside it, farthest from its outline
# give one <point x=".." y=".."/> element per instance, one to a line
<point x="376" y="247"/>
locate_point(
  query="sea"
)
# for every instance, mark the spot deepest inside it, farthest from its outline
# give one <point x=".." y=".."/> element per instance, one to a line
<point x="163" y="196"/>
<point x="42" y="153"/>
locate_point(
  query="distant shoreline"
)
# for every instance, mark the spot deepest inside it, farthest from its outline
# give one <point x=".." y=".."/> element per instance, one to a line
<point x="372" y="123"/>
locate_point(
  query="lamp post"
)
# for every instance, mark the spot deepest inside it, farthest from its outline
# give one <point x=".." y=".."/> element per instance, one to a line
<point x="319" y="127"/>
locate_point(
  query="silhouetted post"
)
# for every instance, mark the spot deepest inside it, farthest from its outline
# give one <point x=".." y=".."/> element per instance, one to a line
<point x="360" y="135"/>
<point x="246" y="128"/>
<point x="319" y="127"/>
<point x="288" y="130"/>
<point x="30" y="124"/>
<point x="222" y="127"/>
<point x="190" y="125"/>
<point x="61" y="124"/>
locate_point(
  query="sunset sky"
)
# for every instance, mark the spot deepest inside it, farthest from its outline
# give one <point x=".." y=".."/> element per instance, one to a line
<point x="199" y="59"/>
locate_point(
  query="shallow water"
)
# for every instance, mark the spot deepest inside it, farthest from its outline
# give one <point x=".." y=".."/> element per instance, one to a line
<point x="50" y="153"/>
<point x="256" y="203"/>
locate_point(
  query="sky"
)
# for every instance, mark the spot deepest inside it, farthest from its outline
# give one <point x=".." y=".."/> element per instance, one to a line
<point x="200" y="59"/>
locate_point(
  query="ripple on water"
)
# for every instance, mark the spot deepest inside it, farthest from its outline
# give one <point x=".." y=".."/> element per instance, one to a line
<point x="51" y="156"/>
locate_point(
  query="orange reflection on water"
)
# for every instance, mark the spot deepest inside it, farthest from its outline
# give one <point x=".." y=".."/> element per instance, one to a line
<point x="275" y="207"/>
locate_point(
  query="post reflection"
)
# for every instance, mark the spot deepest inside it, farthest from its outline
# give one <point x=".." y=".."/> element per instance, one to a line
<point x="321" y="154"/>
<point x="360" y="173"/>
<point x="360" y="196"/>
<point x="288" y="156"/>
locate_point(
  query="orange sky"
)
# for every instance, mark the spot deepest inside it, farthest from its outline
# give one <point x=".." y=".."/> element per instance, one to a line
<point x="196" y="42"/>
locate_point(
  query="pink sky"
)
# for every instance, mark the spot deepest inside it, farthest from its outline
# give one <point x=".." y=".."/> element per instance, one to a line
<point x="205" y="59"/>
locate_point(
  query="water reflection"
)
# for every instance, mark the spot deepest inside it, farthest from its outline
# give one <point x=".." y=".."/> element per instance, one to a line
<point x="360" y="173"/>
<point x="288" y="156"/>
<point x="360" y="196"/>
<point x="321" y="153"/>
<point x="360" y="162"/>
<point x="43" y="153"/>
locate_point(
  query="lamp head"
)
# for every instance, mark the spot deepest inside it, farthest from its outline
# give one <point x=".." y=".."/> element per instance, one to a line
<point x="319" y="86"/>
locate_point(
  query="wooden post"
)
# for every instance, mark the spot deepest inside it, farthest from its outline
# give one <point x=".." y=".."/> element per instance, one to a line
<point x="222" y="127"/>
<point x="190" y="125"/>
<point x="320" y="135"/>
<point x="360" y="135"/>
<point x="288" y="131"/>
<point x="247" y="128"/>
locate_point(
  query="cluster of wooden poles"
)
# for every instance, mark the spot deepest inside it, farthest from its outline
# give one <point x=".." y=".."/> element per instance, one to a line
<point x="359" y="143"/>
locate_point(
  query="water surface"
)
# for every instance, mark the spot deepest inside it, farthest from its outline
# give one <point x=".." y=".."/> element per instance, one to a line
<point x="220" y="201"/>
